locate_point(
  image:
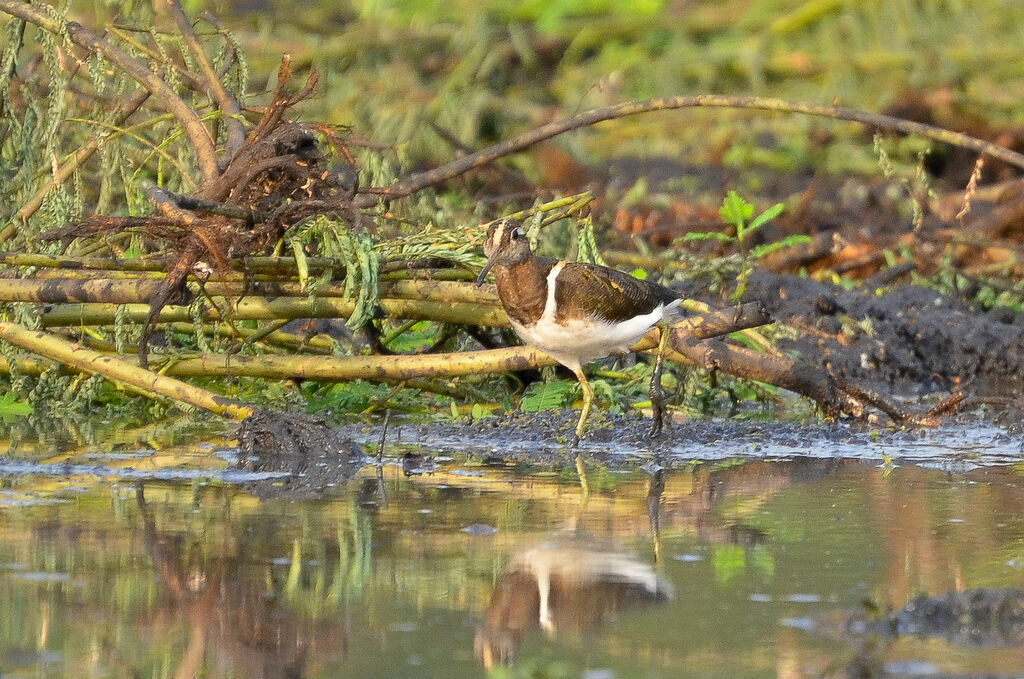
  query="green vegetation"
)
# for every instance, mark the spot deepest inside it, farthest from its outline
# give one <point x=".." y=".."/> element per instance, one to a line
<point x="412" y="84"/>
<point x="11" y="407"/>
<point x="738" y="212"/>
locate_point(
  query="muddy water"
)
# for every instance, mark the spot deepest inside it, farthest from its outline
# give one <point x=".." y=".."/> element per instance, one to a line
<point x="165" y="560"/>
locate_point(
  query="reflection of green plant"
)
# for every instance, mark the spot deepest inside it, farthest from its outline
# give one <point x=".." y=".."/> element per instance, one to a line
<point x="310" y="589"/>
<point x="732" y="560"/>
<point x="547" y="666"/>
<point x="887" y="465"/>
<point x="762" y="560"/>
<point x="729" y="561"/>
<point x="738" y="213"/>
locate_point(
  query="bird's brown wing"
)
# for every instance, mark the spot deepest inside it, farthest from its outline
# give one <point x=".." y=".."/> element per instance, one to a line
<point x="607" y="294"/>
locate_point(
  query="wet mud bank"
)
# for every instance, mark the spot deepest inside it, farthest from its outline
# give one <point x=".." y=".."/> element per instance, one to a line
<point x="620" y="441"/>
<point x="911" y="340"/>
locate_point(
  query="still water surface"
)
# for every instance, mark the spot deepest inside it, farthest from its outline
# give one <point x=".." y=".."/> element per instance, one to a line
<point x="128" y="562"/>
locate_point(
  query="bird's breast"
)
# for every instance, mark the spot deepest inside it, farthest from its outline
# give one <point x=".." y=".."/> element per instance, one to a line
<point x="523" y="292"/>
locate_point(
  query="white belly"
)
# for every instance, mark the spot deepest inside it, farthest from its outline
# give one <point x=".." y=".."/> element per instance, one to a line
<point x="581" y="341"/>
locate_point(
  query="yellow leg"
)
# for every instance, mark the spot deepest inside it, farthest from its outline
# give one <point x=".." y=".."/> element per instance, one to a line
<point x="588" y="399"/>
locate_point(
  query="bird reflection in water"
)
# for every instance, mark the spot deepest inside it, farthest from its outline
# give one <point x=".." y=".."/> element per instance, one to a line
<point x="563" y="590"/>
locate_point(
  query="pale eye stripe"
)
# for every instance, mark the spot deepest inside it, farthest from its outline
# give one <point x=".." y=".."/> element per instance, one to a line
<point x="498" y="234"/>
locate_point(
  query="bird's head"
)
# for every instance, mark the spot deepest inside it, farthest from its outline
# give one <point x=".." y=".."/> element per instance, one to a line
<point x="506" y="245"/>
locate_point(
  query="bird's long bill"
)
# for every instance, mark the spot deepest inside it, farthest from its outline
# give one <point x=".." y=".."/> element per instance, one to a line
<point x="486" y="269"/>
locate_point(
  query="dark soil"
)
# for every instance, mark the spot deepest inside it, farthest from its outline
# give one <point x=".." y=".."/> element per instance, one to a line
<point x="885" y="334"/>
<point x="910" y="340"/>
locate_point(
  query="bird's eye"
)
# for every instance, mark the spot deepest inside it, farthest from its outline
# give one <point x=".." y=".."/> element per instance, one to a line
<point x="518" y="233"/>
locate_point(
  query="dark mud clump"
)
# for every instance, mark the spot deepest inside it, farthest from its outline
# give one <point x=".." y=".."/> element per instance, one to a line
<point x="315" y="455"/>
<point x="971" y="618"/>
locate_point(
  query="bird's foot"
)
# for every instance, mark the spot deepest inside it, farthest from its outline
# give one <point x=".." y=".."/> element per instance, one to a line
<point x="657" y="402"/>
<point x="656" y="423"/>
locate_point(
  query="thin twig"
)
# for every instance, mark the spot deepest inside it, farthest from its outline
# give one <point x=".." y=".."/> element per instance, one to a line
<point x="951" y="405"/>
<point x="383" y="436"/>
<point x="893" y="410"/>
<point x="226" y="101"/>
<point x="188" y="78"/>
<point x="230" y="54"/>
<point x="457" y="167"/>
<point x="82" y="36"/>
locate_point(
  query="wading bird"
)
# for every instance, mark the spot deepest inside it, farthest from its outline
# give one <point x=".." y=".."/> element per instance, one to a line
<point x="575" y="312"/>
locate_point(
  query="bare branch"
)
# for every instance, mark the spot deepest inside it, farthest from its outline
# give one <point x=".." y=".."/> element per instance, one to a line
<point x="226" y="101"/>
<point x="139" y="380"/>
<point x="157" y="194"/>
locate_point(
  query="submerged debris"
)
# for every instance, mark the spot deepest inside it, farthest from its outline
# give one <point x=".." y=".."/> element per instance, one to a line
<point x="974" y="617"/>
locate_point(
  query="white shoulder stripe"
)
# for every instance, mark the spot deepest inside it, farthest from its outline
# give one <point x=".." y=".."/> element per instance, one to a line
<point x="549" y="304"/>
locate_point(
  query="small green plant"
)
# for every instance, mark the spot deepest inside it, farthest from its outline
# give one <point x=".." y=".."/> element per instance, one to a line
<point x="738" y="212"/>
<point x="480" y="412"/>
<point x="361" y="397"/>
<point x="541" y="396"/>
<point x="11" y="407"/>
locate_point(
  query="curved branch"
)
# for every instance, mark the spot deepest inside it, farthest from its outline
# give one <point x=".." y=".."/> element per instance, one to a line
<point x="226" y="101"/>
<point x="197" y="132"/>
<point x="833" y="396"/>
<point x="422" y="180"/>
